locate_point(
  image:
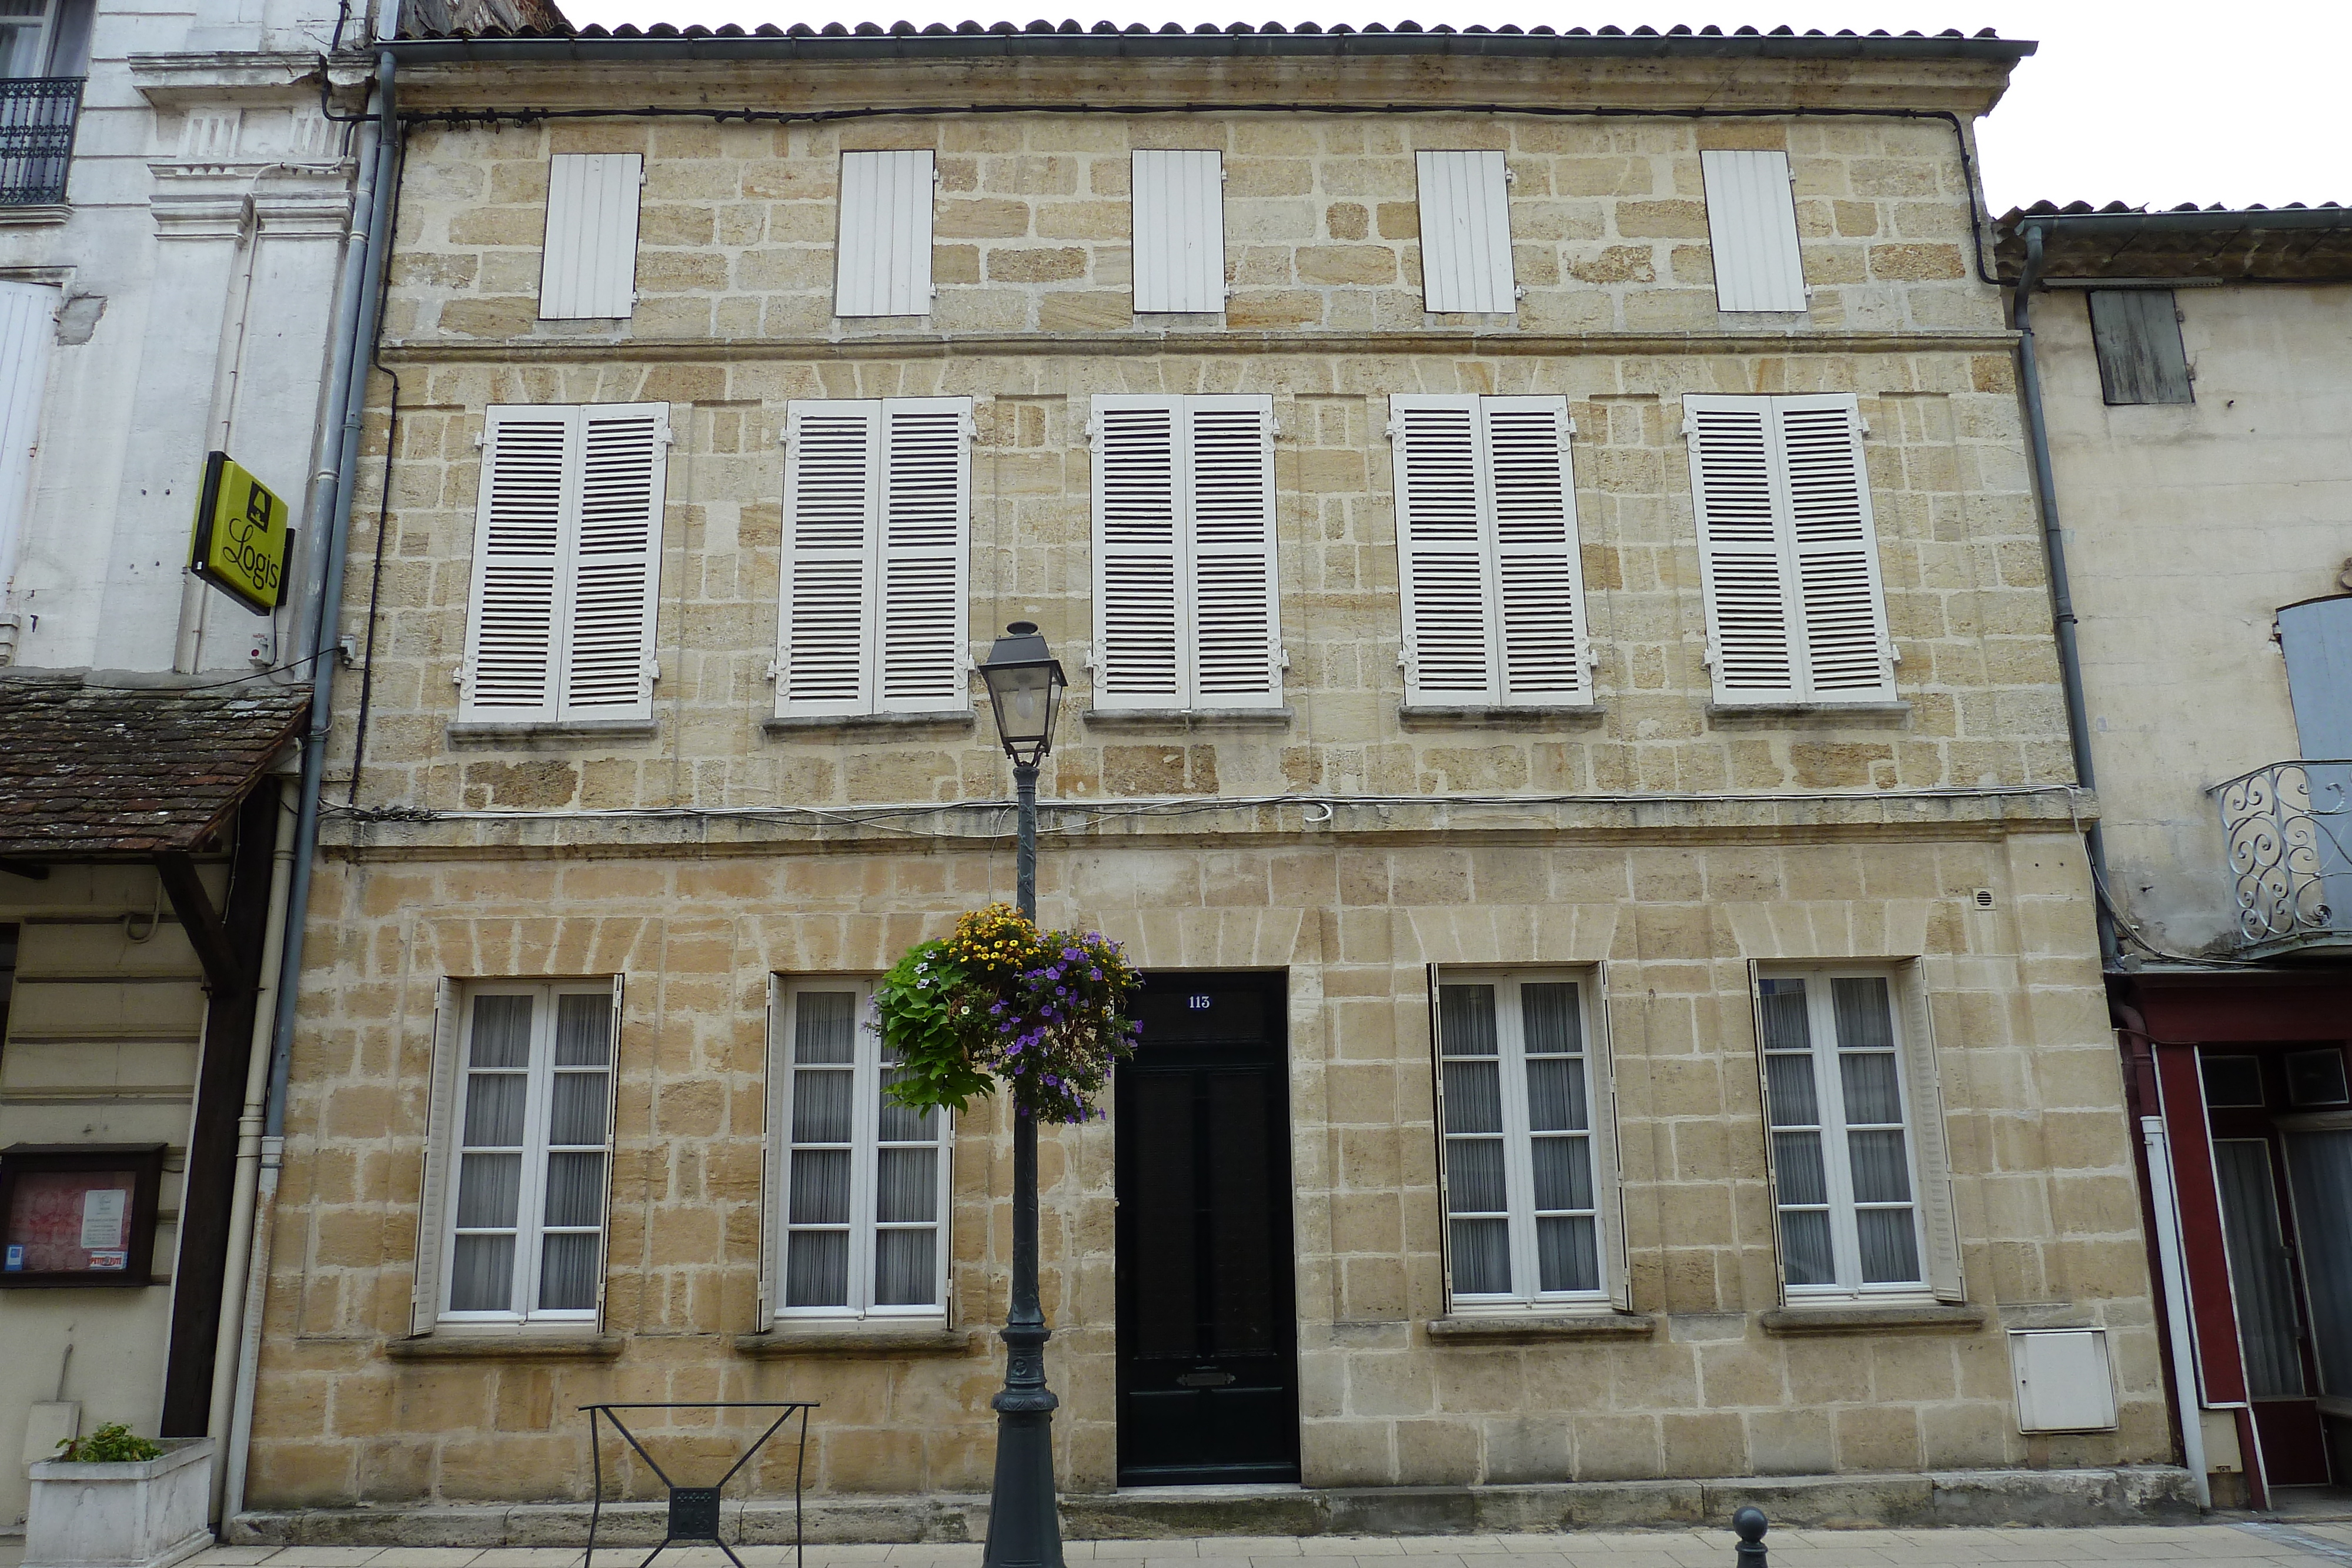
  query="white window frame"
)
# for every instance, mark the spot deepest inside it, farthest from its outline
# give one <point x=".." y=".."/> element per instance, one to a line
<point x="447" y="1150"/>
<point x="43" y="28"/>
<point x="1926" y="1166"/>
<point x="1610" y="1288"/>
<point x="866" y="1073"/>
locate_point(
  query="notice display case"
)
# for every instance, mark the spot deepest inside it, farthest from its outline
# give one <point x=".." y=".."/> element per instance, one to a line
<point x="78" y="1214"/>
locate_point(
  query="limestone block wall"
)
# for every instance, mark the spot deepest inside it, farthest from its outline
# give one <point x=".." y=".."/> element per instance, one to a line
<point x="1352" y="914"/>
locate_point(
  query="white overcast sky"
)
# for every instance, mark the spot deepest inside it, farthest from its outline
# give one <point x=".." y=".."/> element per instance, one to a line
<point x="2144" y="101"/>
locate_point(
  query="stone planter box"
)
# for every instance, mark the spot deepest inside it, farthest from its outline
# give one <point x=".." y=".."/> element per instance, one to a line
<point x="143" y="1515"/>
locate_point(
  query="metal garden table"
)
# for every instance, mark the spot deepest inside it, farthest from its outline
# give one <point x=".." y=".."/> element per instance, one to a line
<point x="694" y="1510"/>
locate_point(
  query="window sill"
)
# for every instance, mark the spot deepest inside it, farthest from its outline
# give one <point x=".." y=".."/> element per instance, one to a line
<point x="35" y="215"/>
<point x="1487" y="1328"/>
<point x="509" y="1346"/>
<point x="1188" y="718"/>
<point x="1878" y="715"/>
<point x="464" y="730"/>
<point x="1844" y="1318"/>
<point x="918" y="1336"/>
<point x="1413" y="715"/>
<point x="873" y="722"/>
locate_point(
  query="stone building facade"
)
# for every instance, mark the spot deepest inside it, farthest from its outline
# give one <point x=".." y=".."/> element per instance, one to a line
<point x="1343" y="854"/>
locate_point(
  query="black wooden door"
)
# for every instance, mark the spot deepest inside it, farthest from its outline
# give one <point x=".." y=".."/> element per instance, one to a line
<point x="1208" y="1365"/>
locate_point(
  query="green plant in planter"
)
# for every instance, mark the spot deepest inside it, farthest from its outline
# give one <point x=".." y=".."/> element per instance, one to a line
<point x="1002" y="1004"/>
<point x="111" y="1444"/>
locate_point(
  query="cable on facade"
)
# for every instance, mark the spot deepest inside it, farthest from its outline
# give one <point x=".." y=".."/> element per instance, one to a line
<point x="383" y="500"/>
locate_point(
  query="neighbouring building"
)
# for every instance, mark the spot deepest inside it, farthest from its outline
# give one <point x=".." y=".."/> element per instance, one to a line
<point x="1563" y="709"/>
<point x="2198" y="397"/>
<point x="174" y="207"/>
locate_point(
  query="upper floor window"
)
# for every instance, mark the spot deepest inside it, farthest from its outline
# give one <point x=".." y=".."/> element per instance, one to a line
<point x="1751" y="225"/>
<point x="588" y="265"/>
<point x="567" y="564"/>
<point x="882" y="261"/>
<point x="1492" y="588"/>
<point x="1795" y="610"/>
<point x="1180" y="230"/>
<point x="2137" y="335"/>
<point x="45" y="37"/>
<point x="43" y="54"/>
<point x="1465" y="233"/>
<point x="878" y="505"/>
<point x="1185" y="591"/>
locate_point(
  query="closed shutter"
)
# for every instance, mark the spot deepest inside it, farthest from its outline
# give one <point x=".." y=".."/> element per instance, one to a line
<point x="1441" y="554"/>
<point x="1747" y="587"/>
<point x="588" y="265"/>
<point x="1930" y="1143"/>
<point x="613" y="561"/>
<point x="1465" y="233"/>
<point x="519" y="527"/>
<point x="1236" y="642"/>
<point x="1764" y="1130"/>
<point x="1179" y="231"/>
<point x="1847" y="655"/>
<point x="440" y="1112"/>
<point x="883" y="258"/>
<point x="1751" y="225"/>
<point x="1140" y="629"/>
<point x="28" y="328"/>
<point x="925" y="496"/>
<point x="833" y="464"/>
<point x="1539" y="579"/>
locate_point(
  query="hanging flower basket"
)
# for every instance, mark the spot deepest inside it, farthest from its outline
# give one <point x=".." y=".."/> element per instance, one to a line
<point x="1000" y="1004"/>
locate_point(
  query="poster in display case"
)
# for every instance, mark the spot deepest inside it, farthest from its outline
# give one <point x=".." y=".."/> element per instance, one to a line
<point x="77" y="1214"/>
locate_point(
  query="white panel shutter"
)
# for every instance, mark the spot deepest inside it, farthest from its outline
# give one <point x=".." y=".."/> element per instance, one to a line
<point x="588" y="265"/>
<point x="882" y="261"/>
<point x="1236" y="643"/>
<point x="518" y="529"/>
<point x="28" y="328"/>
<point x="613" y="561"/>
<point x="1179" y="231"/>
<point x="1746" y="586"/>
<point x="833" y="495"/>
<point x="1442" y="556"/>
<point x="925" y="499"/>
<point x="1751" y="223"/>
<point x="1539" y="579"/>
<point x="1137" y="509"/>
<point x="1931" y="1146"/>
<point x="1465" y="233"/>
<point x="1847" y="655"/>
<point x="441" y="1109"/>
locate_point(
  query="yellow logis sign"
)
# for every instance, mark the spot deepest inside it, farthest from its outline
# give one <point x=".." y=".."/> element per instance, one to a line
<point x="241" y="544"/>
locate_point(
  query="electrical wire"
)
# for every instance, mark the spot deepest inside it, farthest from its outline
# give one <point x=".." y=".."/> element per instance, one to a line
<point x="210" y="685"/>
<point x="383" y="501"/>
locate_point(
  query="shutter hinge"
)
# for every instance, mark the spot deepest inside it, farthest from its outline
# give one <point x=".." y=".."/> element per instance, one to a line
<point x="1571" y="427"/>
<point x="1277" y="429"/>
<point x="1518" y="291"/>
<point x="482" y="441"/>
<point x="1707" y="654"/>
<point x="1510" y="176"/>
<point x="1895" y="653"/>
<point x="653" y="669"/>
<point x="666" y="436"/>
<point x="1394" y="429"/>
<point x="457" y="676"/>
<point x="775" y="670"/>
<point x="1283" y="660"/>
<point x="1094" y="428"/>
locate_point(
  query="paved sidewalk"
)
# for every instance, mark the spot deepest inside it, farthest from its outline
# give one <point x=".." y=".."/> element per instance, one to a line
<point x="2260" y="1545"/>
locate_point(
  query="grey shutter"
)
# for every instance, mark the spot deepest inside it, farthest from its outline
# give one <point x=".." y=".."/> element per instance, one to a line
<point x="1178" y="230"/>
<point x="1465" y="233"/>
<point x="1538" y="572"/>
<point x="1443" y="563"/>
<point x="1616" y="1261"/>
<point x="440" y="1122"/>
<point x="1846" y="654"/>
<point x="588" y="266"/>
<point x="1764" y="1130"/>
<point x="1931" y="1143"/>
<point x="1137" y="512"/>
<point x="1751" y="225"/>
<point x="520" y="523"/>
<point x="1229" y="564"/>
<point x="925" y="502"/>
<point x="2316" y="636"/>
<point x="1745" y="579"/>
<point x="2135" y="332"/>
<point x="833" y="488"/>
<point x="612" y="561"/>
<point x="882" y="260"/>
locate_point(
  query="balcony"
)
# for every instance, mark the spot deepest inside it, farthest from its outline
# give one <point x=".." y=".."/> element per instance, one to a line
<point x="37" y="137"/>
<point x="2287" y="827"/>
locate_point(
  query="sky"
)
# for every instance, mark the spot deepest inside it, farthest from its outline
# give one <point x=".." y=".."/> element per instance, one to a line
<point x="2148" y="103"/>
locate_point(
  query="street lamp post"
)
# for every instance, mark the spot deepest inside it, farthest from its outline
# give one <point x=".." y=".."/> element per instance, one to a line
<point x="1025" y="688"/>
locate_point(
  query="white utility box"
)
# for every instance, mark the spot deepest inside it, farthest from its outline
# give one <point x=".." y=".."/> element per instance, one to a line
<point x="2065" y="1383"/>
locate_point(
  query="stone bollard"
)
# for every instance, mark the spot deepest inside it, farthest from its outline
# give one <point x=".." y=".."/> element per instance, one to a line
<point x="1750" y="1525"/>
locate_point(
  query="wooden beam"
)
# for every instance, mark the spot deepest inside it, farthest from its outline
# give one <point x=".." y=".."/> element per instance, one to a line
<point x="203" y="924"/>
<point x="31" y="871"/>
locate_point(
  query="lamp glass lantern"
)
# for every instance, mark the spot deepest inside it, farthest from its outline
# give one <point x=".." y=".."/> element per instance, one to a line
<point x="1025" y="688"/>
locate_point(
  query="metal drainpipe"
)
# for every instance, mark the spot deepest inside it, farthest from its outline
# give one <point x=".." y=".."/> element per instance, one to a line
<point x="2062" y="595"/>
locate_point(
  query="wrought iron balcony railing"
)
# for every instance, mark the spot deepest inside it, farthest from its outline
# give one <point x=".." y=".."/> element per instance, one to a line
<point x="37" y="137"/>
<point x="2288" y="827"/>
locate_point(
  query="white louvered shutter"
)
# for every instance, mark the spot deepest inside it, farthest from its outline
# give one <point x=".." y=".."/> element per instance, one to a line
<point x="1230" y="569"/>
<point x="882" y="260"/>
<point x="1746" y="588"/>
<point x="518" y="529"/>
<point x="1178" y="230"/>
<point x="1751" y="225"/>
<point x="1847" y="655"/>
<point x="1442" y="556"/>
<point x="833" y="495"/>
<point x="1930" y="1143"/>
<point x="1139" y="500"/>
<point x="925" y="499"/>
<point x="588" y="263"/>
<point x="1539" y="575"/>
<point x="613" y="561"/>
<point x="1465" y="233"/>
